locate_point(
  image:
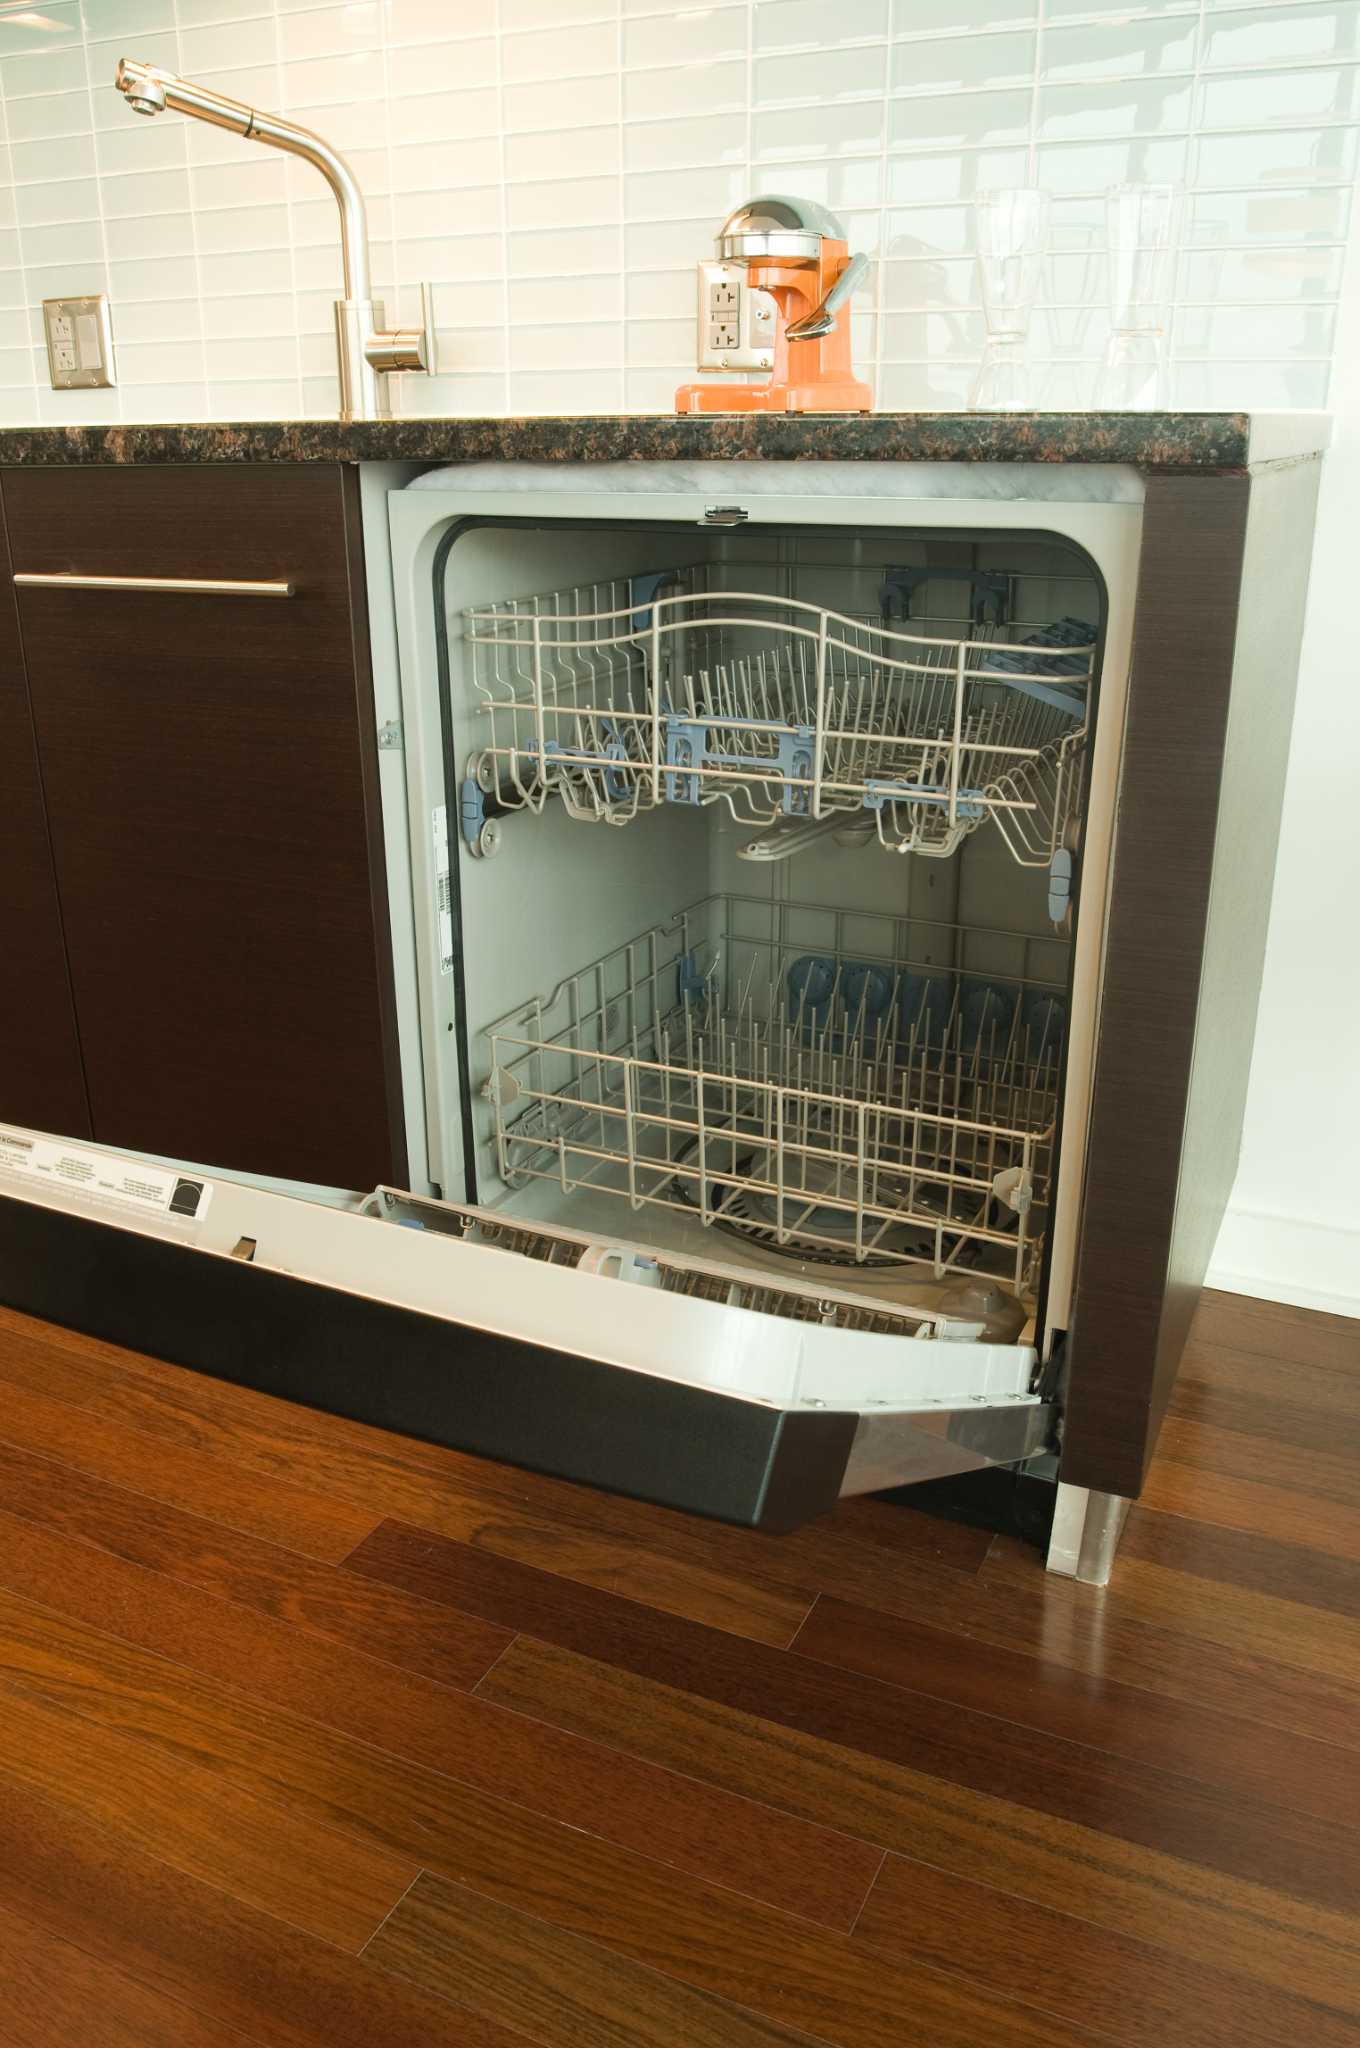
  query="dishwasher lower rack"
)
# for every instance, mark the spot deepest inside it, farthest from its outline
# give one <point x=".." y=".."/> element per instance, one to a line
<point x="822" y="1105"/>
<point x="617" y="697"/>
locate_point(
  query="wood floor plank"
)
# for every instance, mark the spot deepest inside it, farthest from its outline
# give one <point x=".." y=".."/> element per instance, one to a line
<point x="555" y="1988"/>
<point x="53" y="1995"/>
<point x="699" y="1933"/>
<point x="401" y="1477"/>
<point x="191" y="1942"/>
<point x="962" y="1745"/>
<point x="1262" y="1564"/>
<point x="1051" y="1618"/>
<point x="108" y="1448"/>
<point x="1280" y="1417"/>
<point x="1133" y="1992"/>
<point x="1214" y="1611"/>
<point x="589" y="1535"/>
<point x="253" y="1847"/>
<point x="1278" y="1331"/>
<point x="1142" y="1893"/>
<point x="1254" y="1505"/>
<point x="1239" y="1757"/>
<point x="831" y="1986"/>
<point x="1314" y="1473"/>
<point x="316" y="1598"/>
<point x="426" y="1773"/>
<point x="1219" y="1368"/>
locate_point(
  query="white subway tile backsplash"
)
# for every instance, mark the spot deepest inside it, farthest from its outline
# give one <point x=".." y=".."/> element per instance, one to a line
<point x="848" y="127"/>
<point x="227" y="46"/>
<point x="124" y="18"/>
<point x="65" y="156"/>
<point x="440" y="67"/>
<point x="1250" y="277"/>
<point x="1282" y="35"/>
<point x="1132" y="107"/>
<point x="717" y="88"/>
<point x="703" y="36"/>
<point x="1119" y="49"/>
<point x="958" y="63"/>
<point x="150" y="281"/>
<point x="1265" y="99"/>
<point x="561" y="53"/>
<point x="1291" y="157"/>
<point x="572" y="202"/>
<point x="820" y="75"/>
<point x="426" y="21"/>
<point x="953" y="174"/>
<point x="1270" y="332"/>
<point x="331" y="31"/>
<point x="546" y="104"/>
<point x="1321" y="215"/>
<point x="959" y="120"/>
<point x="557" y="167"/>
<point x="819" y="24"/>
<point x="558" y="252"/>
<point x="564" y="153"/>
<point x="171" y="235"/>
<point x="684" y="143"/>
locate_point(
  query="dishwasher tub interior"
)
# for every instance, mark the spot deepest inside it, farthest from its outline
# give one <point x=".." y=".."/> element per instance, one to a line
<point x="755" y="896"/>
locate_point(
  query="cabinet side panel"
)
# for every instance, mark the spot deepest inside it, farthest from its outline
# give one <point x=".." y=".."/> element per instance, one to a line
<point x="41" y="1083"/>
<point x="1180" y="687"/>
<point x="1256" y="756"/>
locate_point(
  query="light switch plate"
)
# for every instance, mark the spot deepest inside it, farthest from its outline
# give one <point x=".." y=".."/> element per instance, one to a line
<point x="736" y="322"/>
<point x="79" y="343"/>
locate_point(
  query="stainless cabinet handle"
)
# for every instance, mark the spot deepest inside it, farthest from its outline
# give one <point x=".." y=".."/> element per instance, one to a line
<point x="193" y="586"/>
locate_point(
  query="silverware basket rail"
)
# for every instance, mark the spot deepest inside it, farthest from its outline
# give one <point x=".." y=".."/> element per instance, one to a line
<point x="622" y="696"/>
<point x="838" y="1108"/>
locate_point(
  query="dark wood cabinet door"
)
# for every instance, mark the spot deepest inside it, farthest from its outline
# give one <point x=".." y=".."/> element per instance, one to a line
<point x="41" y="1083"/>
<point x="211" y="786"/>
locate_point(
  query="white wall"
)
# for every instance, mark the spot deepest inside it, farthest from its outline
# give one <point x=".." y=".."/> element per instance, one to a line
<point x="555" y="167"/>
<point x="1292" y="1232"/>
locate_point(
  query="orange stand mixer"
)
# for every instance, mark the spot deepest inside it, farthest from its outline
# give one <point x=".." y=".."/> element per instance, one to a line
<point x="797" y="252"/>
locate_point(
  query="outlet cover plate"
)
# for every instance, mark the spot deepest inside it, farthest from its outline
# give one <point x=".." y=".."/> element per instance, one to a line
<point x="736" y="322"/>
<point x="79" y="343"/>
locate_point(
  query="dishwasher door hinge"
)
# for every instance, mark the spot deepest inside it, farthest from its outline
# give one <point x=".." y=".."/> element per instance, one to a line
<point x="724" y="515"/>
<point x="1049" y="1376"/>
<point x="391" y="739"/>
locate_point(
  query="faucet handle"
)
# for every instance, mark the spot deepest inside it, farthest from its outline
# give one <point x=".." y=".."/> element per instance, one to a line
<point x="406" y="348"/>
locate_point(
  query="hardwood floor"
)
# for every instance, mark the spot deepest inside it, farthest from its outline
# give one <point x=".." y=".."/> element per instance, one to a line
<point x="310" y="1736"/>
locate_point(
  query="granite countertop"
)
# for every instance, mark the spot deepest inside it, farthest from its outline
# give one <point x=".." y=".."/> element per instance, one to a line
<point x="1186" y="441"/>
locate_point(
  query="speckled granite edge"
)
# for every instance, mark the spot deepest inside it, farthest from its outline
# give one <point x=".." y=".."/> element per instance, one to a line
<point x="1161" y="440"/>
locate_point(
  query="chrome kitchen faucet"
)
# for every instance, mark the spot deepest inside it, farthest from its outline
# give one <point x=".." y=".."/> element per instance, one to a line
<point x="367" y="349"/>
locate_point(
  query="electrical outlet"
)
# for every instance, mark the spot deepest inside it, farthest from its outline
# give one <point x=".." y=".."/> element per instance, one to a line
<point x="736" y="323"/>
<point x="79" y="343"/>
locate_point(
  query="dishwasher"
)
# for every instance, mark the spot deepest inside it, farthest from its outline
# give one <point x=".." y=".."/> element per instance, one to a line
<point x="758" y="822"/>
<point x="747" y="831"/>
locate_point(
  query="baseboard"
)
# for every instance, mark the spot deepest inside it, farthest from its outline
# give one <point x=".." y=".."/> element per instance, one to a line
<point x="1284" y="1258"/>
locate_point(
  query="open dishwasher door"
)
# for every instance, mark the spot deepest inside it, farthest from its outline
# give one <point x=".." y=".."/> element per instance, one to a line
<point x="671" y="1380"/>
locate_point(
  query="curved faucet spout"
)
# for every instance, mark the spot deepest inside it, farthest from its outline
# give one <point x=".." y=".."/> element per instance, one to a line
<point x="149" y="90"/>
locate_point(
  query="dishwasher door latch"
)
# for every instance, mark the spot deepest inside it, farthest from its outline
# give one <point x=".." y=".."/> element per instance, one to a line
<point x="725" y="515"/>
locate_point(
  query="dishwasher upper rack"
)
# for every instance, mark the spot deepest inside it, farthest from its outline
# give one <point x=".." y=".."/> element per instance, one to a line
<point x="617" y="702"/>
